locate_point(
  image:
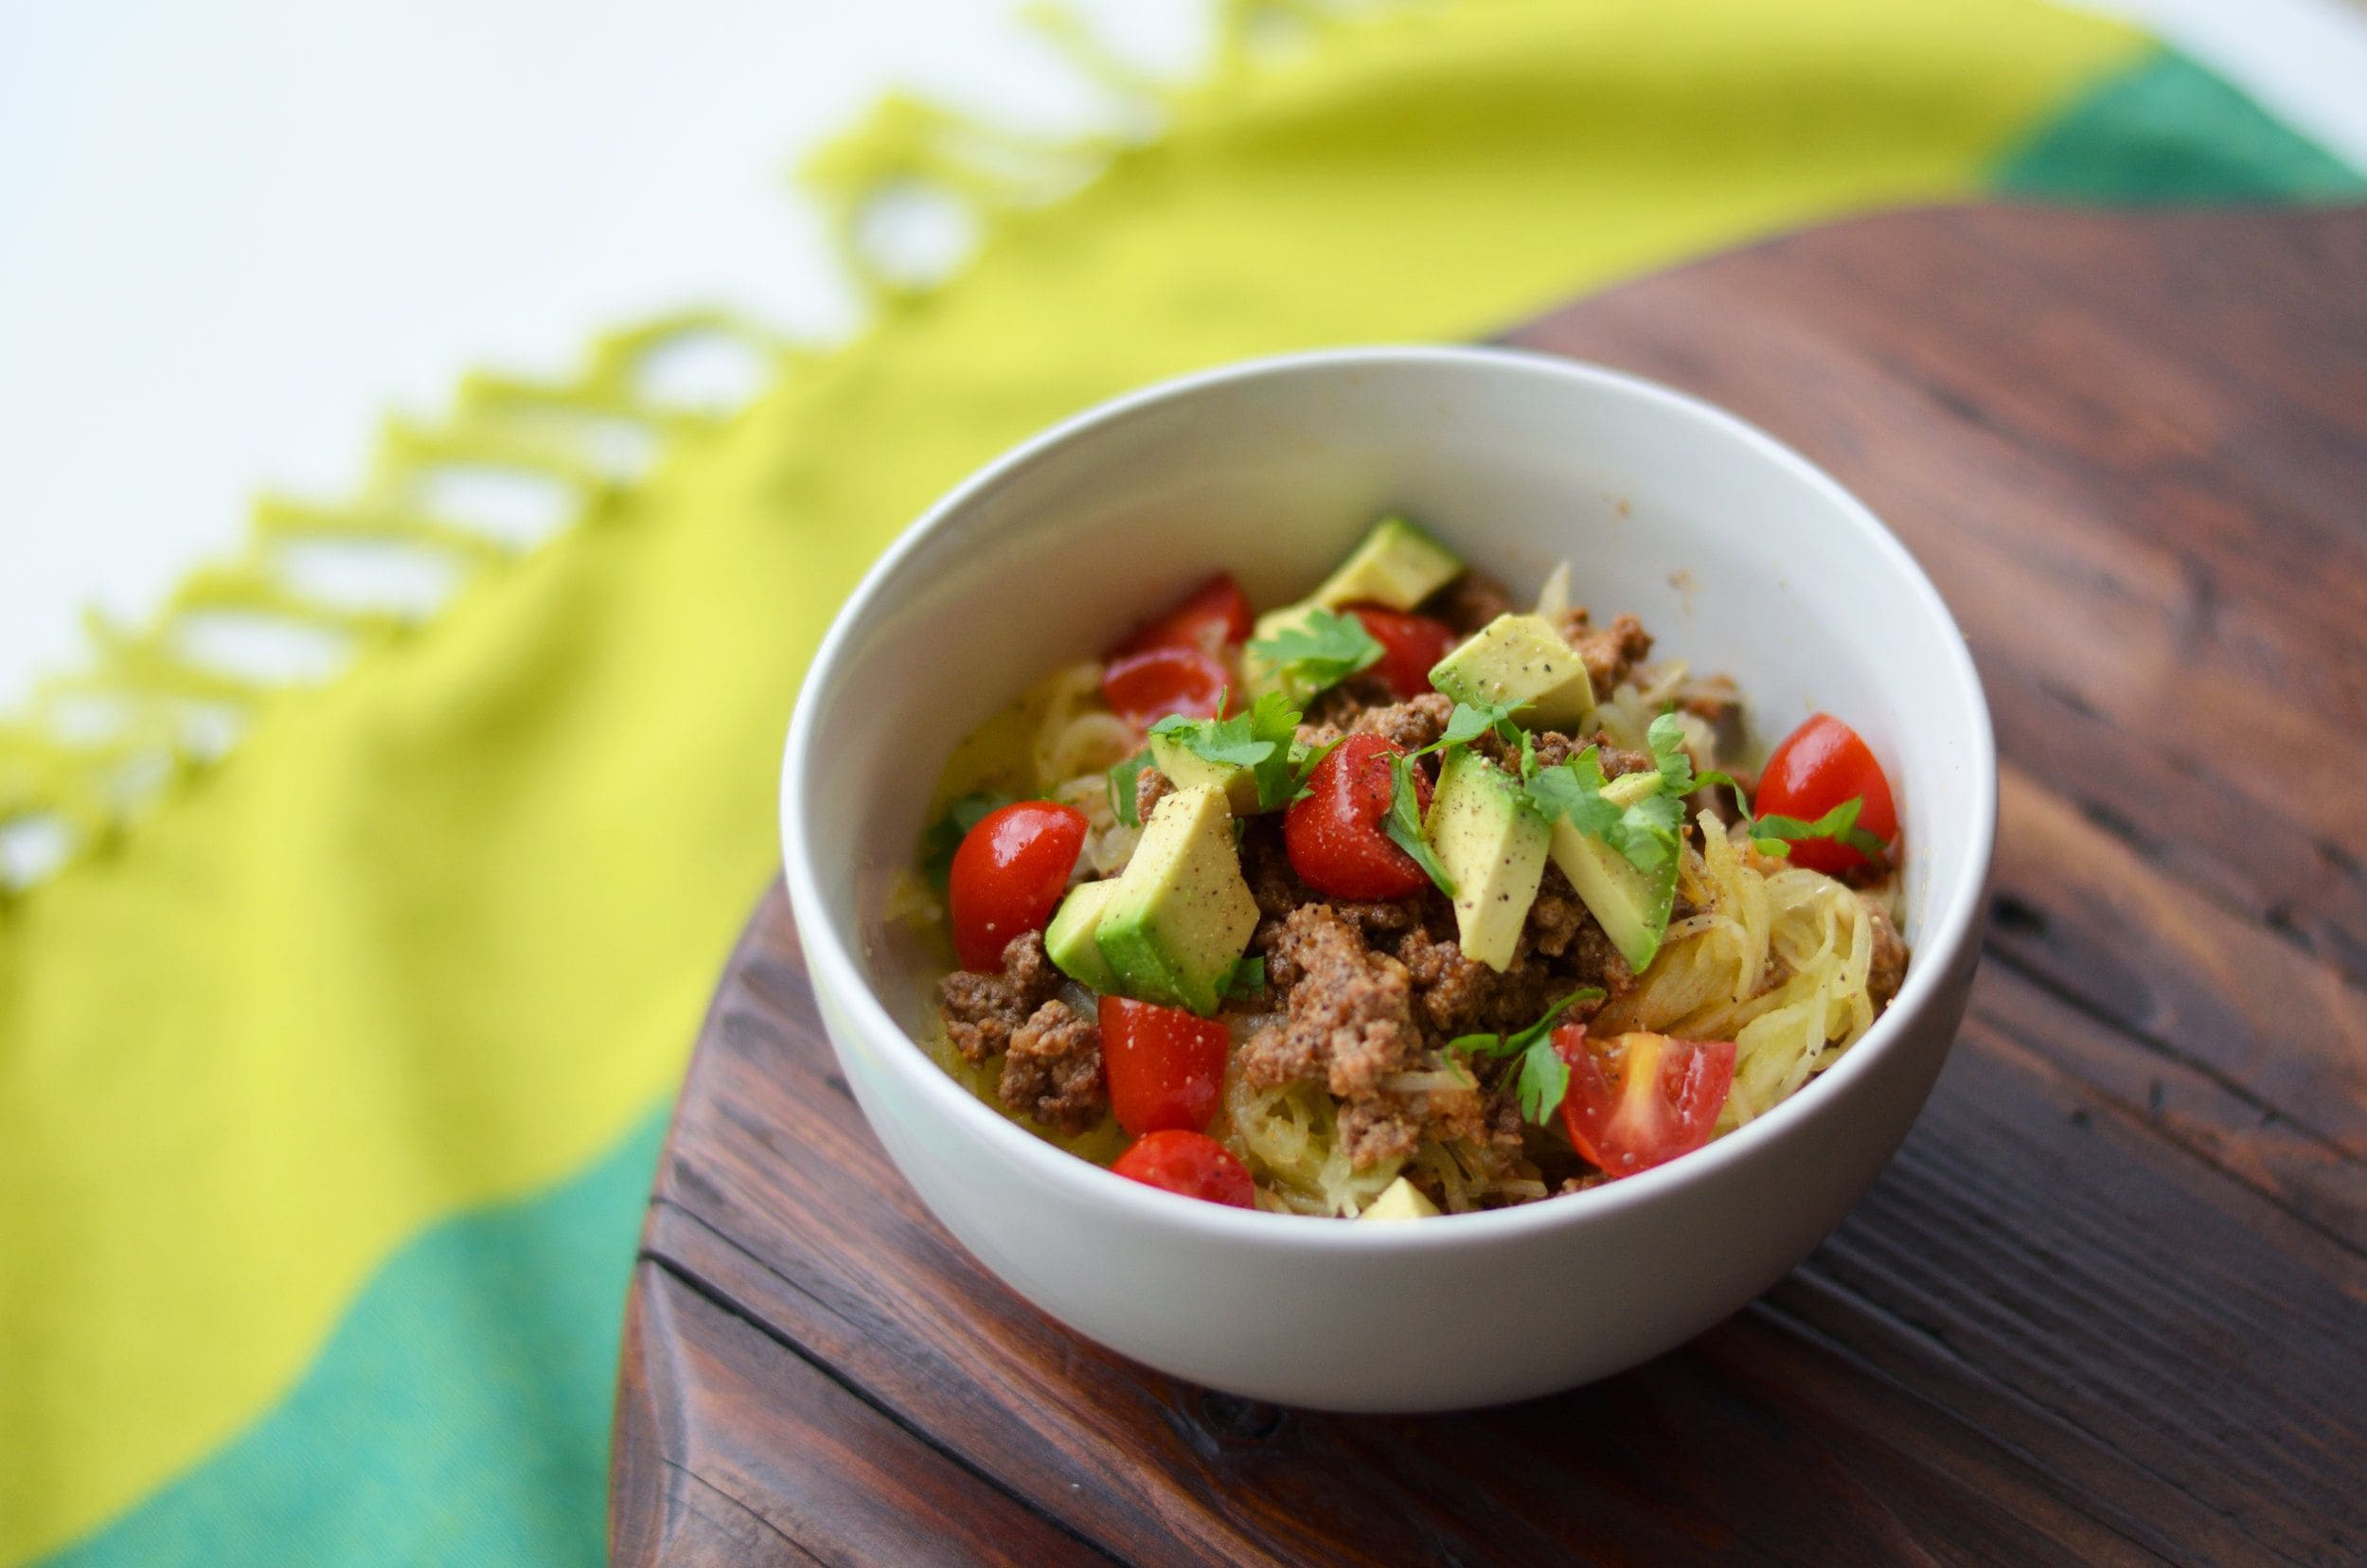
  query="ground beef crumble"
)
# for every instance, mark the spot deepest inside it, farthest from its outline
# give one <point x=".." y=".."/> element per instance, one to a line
<point x="1150" y="787"/>
<point x="1386" y="1126"/>
<point x="1413" y="723"/>
<point x="1369" y="990"/>
<point x="983" y="1012"/>
<point x="1330" y="714"/>
<point x="1349" y="1020"/>
<point x="1053" y="1071"/>
<point x="1888" y="971"/>
<point x="1610" y="652"/>
<point x="1553" y="748"/>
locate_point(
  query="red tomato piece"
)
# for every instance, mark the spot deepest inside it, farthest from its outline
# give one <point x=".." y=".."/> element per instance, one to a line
<point x="1165" y="1065"/>
<point x="1009" y="876"/>
<point x="1638" y="1100"/>
<point x="1334" y="835"/>
<point x="1819" y="765"/>
<point x="1192" y="1164"/>
<point x="1411" y="647"/>
<point x="1211" y="617"/>
<point x="1145" y="687"/>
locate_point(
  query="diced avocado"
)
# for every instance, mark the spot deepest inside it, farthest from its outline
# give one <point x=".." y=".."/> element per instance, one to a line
<point x="1181" y="914"/>
<point x="1521" y="662"/>
<point x="1068" y="941"/>
<point x="1187" y="769"/>
<point x="1631" y="906"/>
<point x="1257" y="677"/>
<point x="1398" y="565"/>
<point x="1400" y="1200"/>
<point x="1492" y="847"/>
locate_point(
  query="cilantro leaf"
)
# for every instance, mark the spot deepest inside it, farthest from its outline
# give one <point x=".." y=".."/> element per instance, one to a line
<point x="1320" y="650"/>
<point x="944" y="836"/>
<point x="1542" y="1078"/>
<point x="1840" y="824"/>
<point x="1404" y="822"/>
<point x="1263" y="740"/>
<point x="1575" y="789"/>
<point x="1643" y="825"/>
<point x="1226" y="741"/>
<point x="1656" y="816"/>
<point x="1122" y="777"/>
<point x="1471" y="720"/>
<point x="1667" y="740"/>
<point x="1713" y="778"/>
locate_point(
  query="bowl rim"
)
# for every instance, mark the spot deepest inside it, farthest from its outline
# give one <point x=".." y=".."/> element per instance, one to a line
<point x="1949" y="930"/>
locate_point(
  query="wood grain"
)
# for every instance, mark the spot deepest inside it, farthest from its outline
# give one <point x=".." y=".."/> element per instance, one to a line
<point x="2109" y="1302"/>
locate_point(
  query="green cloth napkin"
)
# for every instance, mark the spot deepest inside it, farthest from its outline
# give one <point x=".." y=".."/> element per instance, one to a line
<point x="332" y="1070"/>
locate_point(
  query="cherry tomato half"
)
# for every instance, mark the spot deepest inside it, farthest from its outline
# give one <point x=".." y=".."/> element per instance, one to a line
<point x="1411" y="646"/>
<point x="1191" y="1163"/>
<point x="1819" y="765"/>
<point x="1333" y="835"/>
<point x="1211" y="617"/>
<point x="1165" y="1065"/>
<point x="1009" y="876"/>
<point x="1146" y="686"/>
<point x="1638" y="1100"/>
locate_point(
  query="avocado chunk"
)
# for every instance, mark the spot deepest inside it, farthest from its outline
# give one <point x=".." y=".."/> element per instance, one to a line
<point x="1632" y="905"/>
<point x="1400" y="1200"/>
<point x="1492" y="845"/>
<point x="1520" y="661"/>
<point x="1181" y="914"/>
<point x="1398" y="565"/>
<point x="1068" y="941"/>
<point x="1187" y="769"/>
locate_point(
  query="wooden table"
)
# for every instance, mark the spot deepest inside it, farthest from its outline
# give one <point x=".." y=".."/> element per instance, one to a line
<point x="2111" y="1300"/>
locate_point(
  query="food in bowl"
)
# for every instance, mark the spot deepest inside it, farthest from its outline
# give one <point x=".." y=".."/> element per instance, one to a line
<point x="1398" y="900"/>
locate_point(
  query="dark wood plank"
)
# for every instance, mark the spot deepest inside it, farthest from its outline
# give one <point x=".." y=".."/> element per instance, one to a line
<point x="743" y="1451"/>
<point x="2110" y="1301"/>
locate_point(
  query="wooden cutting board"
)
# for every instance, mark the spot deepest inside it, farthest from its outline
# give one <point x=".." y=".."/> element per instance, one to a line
<point x="2111" y="1300"/>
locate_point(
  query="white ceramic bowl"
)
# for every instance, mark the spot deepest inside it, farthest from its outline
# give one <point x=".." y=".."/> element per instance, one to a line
<point x="1739" y="556"/>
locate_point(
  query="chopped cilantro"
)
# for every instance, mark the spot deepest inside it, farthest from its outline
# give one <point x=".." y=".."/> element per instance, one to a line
<point x="1542" y="1076"/>
<point x="1667" y="740"/>
<point x="1840" y="824"/>
<point x="1643" y="830"/>
<point x="1471" y="720"/>
<point x="944" y="836"/>
<point x="1402" y="822"/>
<point x="1264" y="740"/>
<point x="1320" y="650"/>
<point x="1122" y="777"/>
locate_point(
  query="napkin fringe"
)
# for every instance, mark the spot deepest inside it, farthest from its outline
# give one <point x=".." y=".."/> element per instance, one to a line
<point x="158" y="703"/>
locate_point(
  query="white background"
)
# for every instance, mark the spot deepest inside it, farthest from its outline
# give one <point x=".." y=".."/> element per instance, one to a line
<point x="233" y="233"/>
